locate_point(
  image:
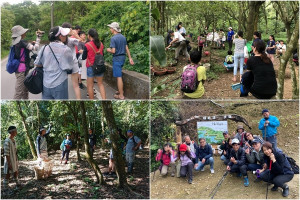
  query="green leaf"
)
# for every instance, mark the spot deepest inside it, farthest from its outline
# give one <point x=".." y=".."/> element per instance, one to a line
<point x="155" y="14"/>
<point x="157" y="44"/>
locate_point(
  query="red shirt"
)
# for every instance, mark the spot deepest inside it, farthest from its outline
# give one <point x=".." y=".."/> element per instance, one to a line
<point x="91" y="54"/>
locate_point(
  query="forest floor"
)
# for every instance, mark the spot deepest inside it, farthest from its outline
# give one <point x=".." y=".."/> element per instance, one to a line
<point x="217" y="86"/>
<point x="76" y="180"/>
<point x="232" y="187"/>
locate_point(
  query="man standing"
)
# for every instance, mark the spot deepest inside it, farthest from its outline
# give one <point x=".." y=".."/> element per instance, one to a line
<point x="10" y="157"/>
<point x="119" y="48"/>
<point x="268" y="126"/>
<point x="133" y="144"/>
<point x="92" y="141"/>
<point x="205" y="156"/>
<point x="230" y="36"/>
<point x="180" y="43"/>
<point x="41" y="143"/>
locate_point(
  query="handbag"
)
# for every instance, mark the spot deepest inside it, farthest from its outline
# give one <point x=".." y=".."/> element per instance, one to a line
<point x="99" y="65"/>
<point x="69" y="71"/>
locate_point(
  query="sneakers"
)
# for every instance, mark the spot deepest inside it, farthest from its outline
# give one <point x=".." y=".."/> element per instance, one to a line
<point x="81" y="86"/>
<point x="190" y="181"/>
<point x="212" y="171"/>
<point x="202" y="170"/>
<point x="285" y="191"/>
<point x="66" y="162"/>
<point x="274" y="188"/>
<point x="173" y="174"/>
<point x="246" y="182"/>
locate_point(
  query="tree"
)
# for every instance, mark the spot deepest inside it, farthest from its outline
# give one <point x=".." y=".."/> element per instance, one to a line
<point x="253" y="17"/>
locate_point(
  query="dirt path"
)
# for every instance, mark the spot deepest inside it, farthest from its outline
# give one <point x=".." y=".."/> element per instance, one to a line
<point x="219" y="88"/>
<point x="77" y="180"/>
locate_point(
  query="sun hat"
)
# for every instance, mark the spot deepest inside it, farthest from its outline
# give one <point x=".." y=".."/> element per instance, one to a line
<point x="230" y="28"/>
<point x="17" y="32"/>
<point x="240" y="127"/>
<point x="115" y="26"/>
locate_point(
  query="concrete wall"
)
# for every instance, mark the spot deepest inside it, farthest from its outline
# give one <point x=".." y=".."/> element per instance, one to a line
<point x="136" y="85"/>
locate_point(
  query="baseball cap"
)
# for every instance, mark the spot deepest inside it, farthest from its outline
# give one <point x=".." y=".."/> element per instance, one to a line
<point x="225" y="132"/>
<point x="264" y="110"/>
<point x="235" y="141"/>
<point x="256" y="141"/>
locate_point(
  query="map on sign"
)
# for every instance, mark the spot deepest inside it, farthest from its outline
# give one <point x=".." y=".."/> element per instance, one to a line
<point x="212" y="131"/>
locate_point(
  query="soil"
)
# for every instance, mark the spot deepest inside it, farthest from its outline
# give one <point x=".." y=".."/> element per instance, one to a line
<point x="232" y="187"/>
<point x="79" y="183"/>
<point x="219" y="88"/>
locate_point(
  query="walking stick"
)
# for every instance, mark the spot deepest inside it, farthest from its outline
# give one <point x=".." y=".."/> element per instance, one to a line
<point x="265" y="138"/>
<point x="268" y="179"/>
<point x="214" y="191"/>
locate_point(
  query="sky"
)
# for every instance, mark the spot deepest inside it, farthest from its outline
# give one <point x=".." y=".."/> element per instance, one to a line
<point x="19" y="1"/>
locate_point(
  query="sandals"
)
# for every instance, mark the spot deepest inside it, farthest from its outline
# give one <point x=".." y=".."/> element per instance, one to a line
<point x="116" y="96"/>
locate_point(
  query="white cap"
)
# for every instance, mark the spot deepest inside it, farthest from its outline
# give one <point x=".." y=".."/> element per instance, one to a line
<point x="235" y="141"/>
<point x="62" y="31"/>
<point x="230" y="28"/>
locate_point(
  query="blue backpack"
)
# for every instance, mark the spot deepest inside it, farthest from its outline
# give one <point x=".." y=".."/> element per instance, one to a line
<point x="13" y="63"/>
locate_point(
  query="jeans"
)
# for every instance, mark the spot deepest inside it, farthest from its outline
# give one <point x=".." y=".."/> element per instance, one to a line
<point x="130" y="160"/>
<point x="209" y="161"/>
<point x="238" y="58"/>
<point x="273" y="140"/>
<point x="239" y="169"/>
<point x="66" y="152"/>
<point x="187" y="169"/>
<point x="254" y="167"/>
<point x="58" y="92"/>
<point x="225" y="160"/>
<point x="277" y="180"/>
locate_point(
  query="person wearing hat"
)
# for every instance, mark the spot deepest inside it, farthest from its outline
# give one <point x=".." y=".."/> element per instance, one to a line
<point x="41" y="143"/>
<point x="66" y="147"/>
<point x="255" y="157"/>
<point x="230" y="36"/>
<point x="118" y="47"/>
<point x="185" y="155"/>
<point x="11" y="163"/>
<point x="240" y="132"/>
<point x="56" y="59"/>
<point x="180" y="43"/>
<point x="22" y="51"/>
<point x="226" y="147"/>
<point x="237" y="162"/>
<point x="268" y="126"/>
<point x="133" y="144"/>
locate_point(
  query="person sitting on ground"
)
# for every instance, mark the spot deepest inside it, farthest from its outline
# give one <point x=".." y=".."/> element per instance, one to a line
<point x="260" y="79"/>
<point x="185" y="155"/>
<point x="226" y="147"/>
<point x="41" y="144"/>
<point x="66" y="147"/>
<point x="239" y="134"/>
<point x="229" y="60"/>
<point x="201" y="75"/>
<point x="255" y="157"/>
<point x="281" y="48"/>
<point x="238" y="161"/>
<point x="193" y="146"/>
<point x="11" y="163"/>
<point x="276" y="169"/>
<point x="165" y="156"/>
<point x="205" y="155"/>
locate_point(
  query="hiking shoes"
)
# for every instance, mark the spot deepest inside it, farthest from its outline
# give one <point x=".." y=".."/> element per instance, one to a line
<point x="190" y="181"/>
<point x="202" y="170"/>
<point x="274" y="188"/>
<point x="246" y="181"/>
<point x="285" y="191"/>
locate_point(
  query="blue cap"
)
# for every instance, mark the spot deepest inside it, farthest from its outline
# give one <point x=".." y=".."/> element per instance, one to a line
<point x="129" y="131"/>
<point x="264" y="110"/>
<point x="225" y="132"/>
<point x="256" y="141"/>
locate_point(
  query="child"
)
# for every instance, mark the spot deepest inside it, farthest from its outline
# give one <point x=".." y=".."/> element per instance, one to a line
<point x="201" y="75"/>
<point x="229" y="61"/>
<point x="165" y="156"/>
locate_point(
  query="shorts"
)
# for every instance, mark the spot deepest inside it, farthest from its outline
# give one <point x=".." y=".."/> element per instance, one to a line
<point x="75" y="68"/>
<point x="117" y="69"/>
<point x="80" y="70"/>
<point x="90" y="73"/>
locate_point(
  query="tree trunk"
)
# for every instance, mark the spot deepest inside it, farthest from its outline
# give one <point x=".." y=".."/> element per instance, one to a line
<point x="266" y="18"/>
<point x="163" y="17"/>
<point x="115" y="138"/>
<point x="291" y="46"/>
<point x="252" y="18"/>
<point x="294" y="80"/>
<point x="240" y="14"/>
<point x="30" y="142"/>
<point x="52" y="15"/>
<point x="89" y="157"/>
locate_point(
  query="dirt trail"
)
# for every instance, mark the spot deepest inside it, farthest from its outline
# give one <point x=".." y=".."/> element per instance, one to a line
<point x="219" y="88"/>
<point x="77" y="180"/>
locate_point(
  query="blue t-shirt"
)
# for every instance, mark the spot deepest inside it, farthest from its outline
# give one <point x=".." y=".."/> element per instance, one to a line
<point x="229" y="35"/>
<point x="271" y="44"/>
<point x="130" y="144"/>
<point x="118" y="42"/>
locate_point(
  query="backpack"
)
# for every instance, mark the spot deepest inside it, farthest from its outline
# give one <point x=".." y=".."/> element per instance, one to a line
<point x="13" y="63"/>
<point x="99" y="65"/>
<point x="294" y="166"/>
<point x="189" y="80"/>
<point x="135" y="143"/>
<point x="62" y="145"/>
<point x="229" y="59"/>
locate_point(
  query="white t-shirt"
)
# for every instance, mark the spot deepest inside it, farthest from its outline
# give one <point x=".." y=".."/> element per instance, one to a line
<point x="281" y="47"/>
<point x="179" y="36"/>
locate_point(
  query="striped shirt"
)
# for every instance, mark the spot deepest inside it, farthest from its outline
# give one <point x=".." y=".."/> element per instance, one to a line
<point x="239" y="45"/>
<point x="10" y="149"/>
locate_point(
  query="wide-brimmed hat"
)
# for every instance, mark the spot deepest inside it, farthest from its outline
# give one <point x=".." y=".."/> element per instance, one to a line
<point x="17" y="32"/>
<point x="240" y="127"/>
<point x="115" y="26"/>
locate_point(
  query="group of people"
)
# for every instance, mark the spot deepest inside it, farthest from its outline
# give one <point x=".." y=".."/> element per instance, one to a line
<point x="64" y="55"/>
<point x="241" y="152"/>
<point x="129" y="146"/>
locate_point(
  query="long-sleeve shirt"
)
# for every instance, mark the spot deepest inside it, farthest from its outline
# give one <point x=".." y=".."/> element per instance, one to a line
<point x="185" y="159"/>
<point x="205" y="152"/>
<point x="92" y="139"/>
<point x="239" y="156"/>
<point x="164" y="158"/>
<point x="272" y="126"/>
<point x="41" y="142"/>
<point x="281" y="166"/>
<point x="256" y="157"/>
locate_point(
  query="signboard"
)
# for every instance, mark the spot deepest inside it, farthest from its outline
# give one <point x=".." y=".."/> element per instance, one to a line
<point x="212" y="131"/>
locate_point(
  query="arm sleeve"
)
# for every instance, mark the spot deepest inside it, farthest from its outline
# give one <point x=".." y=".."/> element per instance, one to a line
<point x="173" y="157"/>
<point x="242" y="159"/>
<point x="210" y="153"/>
<point x="34" y="47"/>
<point x="158" y="156"/>
<point x="38" y="58"/>
<point x="48" y="131"/>
<point x="279" y="164"/>
<point x="6" y="148"/>
<point x="112" y="43"/>
<point x="261" y="124"/>
<point x="274" y="122"/>
<point x="84" y="54"/>
<point x="193" y="154"/>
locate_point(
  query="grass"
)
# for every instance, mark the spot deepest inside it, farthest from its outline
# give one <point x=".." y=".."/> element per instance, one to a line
<point x="4" y="53"/>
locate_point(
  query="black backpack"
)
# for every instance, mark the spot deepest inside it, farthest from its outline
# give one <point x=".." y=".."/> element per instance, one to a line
<point x="99" y="64"/>
<point x="294" y="166"/>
